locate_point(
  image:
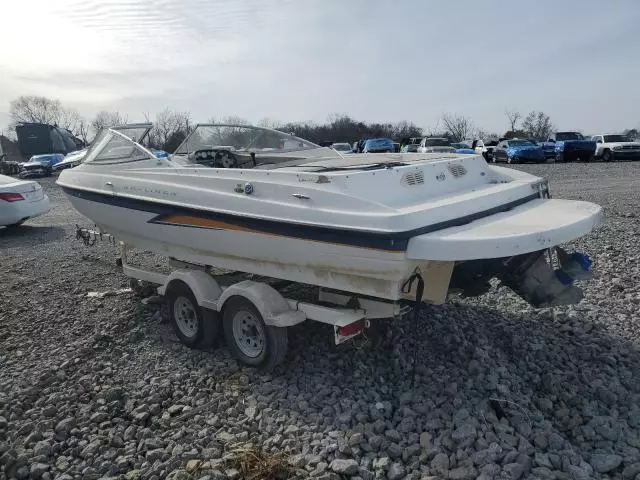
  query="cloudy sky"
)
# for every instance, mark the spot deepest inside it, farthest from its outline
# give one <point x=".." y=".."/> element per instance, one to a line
<point x="577" y="60"/>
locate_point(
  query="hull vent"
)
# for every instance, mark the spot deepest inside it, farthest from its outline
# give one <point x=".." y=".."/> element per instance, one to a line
<point x="412" y="179"/>
<point x="457" y="170"/>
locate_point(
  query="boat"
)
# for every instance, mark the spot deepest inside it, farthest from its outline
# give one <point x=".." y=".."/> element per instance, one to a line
<point x="268" y="203"/>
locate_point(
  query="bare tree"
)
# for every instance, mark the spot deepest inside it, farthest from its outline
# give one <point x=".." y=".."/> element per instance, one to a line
<point x="632" y="133"/>
<point x="405" y="130"/>
<point x="31" y="108"/>
<point x="267" y="122"/>
<point x="513" y="117"/>
<point x="235" y="120"/>
<point x="458" y="127"/>
<point x="434" y="131"/>
<point x="537" y="125"/>
<point x="104" y="119"/>
<point x="71" y="120"/>
<point x="37" y="109"/>
<point x="83" y="130"/>
<point x="485" y="134"/>
<point x="169" y="129"/>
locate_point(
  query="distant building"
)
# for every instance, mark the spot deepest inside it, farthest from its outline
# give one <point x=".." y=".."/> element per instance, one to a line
<point x="40" y="138"/>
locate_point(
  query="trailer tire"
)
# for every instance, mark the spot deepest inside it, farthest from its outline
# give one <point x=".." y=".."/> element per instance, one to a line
<point x="250" y="340"/>
<point x="195" y="326"/>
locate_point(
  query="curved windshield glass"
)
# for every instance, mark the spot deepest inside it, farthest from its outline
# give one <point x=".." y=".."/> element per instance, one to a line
<point x="111" y="146"/>
<point x="243" y="138"/>
<point x="521" y="143"/>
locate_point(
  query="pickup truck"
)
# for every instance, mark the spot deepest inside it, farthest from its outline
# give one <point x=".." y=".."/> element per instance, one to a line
<point x="569" y="146"/>
<point x="40" y="165"/>
<point x="616" y="147"/>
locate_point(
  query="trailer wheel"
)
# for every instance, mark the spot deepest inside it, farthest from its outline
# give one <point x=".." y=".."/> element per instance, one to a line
<point x="196" y="327"/>
<point x="250" y="340"/>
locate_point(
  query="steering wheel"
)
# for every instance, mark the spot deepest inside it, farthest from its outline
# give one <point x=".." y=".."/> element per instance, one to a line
<point x="225" y="159"/>
<point x="212" y="157"/>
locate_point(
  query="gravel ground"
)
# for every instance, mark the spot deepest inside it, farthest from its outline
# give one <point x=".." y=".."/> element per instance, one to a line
<point x="100" y="387"/>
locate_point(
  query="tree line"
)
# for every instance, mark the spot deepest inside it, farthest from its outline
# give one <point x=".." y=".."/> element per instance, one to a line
<point x="171" y="127"/>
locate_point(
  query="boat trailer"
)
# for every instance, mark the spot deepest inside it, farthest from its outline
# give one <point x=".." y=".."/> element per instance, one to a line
<point x="198" y="298"/>
<point x="254" y="312"/>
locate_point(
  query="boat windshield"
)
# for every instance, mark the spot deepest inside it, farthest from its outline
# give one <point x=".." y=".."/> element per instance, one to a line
<point x="135" y="131"/>
<point x="242" y="138"/>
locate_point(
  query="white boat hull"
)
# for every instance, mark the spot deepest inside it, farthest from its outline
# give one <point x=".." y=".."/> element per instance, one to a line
<point x="536" y="225"/>
<point x="359" y="270"/>
<point x="362" y="225"/>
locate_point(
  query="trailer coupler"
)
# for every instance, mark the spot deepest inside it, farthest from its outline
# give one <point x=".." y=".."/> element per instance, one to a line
<point x="90" y="236"/>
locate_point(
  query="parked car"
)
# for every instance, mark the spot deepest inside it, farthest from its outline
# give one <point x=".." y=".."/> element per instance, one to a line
<point x="463" y="147"/>
<point x="489" y="146"/>
<point x="21" y="200"/>
<point x="518" y="150"/>
<point x="411" y="148"/>
<point x="435" y="144"/>
<point x="342" y="147"/>
<point x="616" y="147"/>
<point x="477" y="145"/>
<point x="570" y="146"/>
<point x="71" y="160"/>
<point x="548" y="149"/>
<point x="378" y="145"/>
<point x="159" y="153"/>
<point x="40" y="165"/>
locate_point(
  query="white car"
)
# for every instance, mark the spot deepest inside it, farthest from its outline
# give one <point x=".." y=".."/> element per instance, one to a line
<point x="479" y="147"/>
<point x="342" y="147"/>
<point x="21" y="200"/>
<point x="616" y="147"/>
<point x="435" y="144"/>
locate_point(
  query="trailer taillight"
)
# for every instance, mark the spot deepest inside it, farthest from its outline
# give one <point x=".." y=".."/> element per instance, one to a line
<point x="351" y="329"/>
<point x="11" y="197"/>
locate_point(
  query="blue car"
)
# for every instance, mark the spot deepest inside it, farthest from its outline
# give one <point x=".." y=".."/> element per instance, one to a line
<point x="518" y="151"/>
<point x="378" y="145"/>
<point x="41" y="165"/>
<point x="159" y="153"/>
<point x="548" y="148"/>
<point x="463" y="148"/>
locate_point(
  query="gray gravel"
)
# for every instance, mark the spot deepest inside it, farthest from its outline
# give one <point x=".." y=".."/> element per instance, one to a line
<point x="100" y="387"/>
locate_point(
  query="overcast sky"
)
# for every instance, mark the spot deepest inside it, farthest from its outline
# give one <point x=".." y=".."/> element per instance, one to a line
<point x="577" y="60"/>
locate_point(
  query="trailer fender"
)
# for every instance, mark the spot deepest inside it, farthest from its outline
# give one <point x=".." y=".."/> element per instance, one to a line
<point x="204" y="286"/>
<point x="275" y="310"/>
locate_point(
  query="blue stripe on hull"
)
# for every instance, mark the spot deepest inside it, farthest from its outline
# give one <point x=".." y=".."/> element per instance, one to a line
<point x="394" y="242"/>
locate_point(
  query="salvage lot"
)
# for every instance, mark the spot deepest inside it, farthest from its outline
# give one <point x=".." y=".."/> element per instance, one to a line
<point x="93" y="387"/>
